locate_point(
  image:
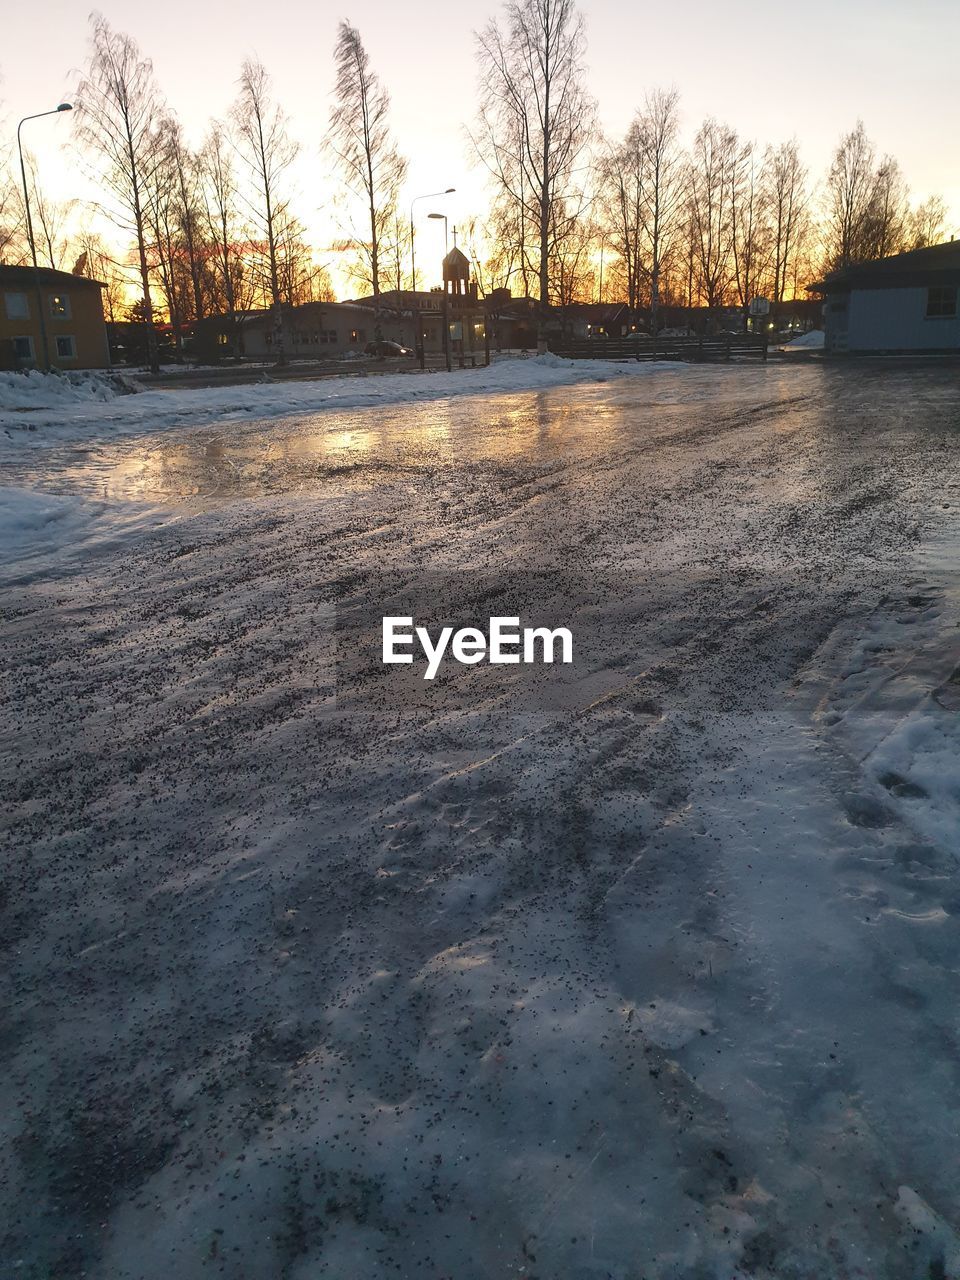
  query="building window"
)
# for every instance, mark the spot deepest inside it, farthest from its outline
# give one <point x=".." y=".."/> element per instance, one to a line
<point x="941" y="302"/>
<point x="60" y="306"/>
<point x="66" y="347"/>
<point x="18" y="308"/>
<point x="23" y="348"/>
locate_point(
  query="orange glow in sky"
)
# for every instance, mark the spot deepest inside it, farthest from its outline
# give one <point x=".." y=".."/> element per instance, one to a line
<point x="772" y="72"/>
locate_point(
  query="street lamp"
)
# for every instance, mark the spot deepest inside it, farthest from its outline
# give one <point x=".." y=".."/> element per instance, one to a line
<point x="64" y="106"/>
<point x="431" y="195"/>
<point x="446" y="300"/>
<point x="446" y="238"/>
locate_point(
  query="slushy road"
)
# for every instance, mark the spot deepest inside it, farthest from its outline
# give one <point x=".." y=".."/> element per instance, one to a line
<point x="653" y="978"/>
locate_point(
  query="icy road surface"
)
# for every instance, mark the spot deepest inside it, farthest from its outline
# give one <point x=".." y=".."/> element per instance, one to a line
<point x="659" y="984"/>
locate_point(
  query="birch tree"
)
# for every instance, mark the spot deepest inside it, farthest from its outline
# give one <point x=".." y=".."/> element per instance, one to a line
<point x="222" y="230"/>
<point x="849" y="191"/>
<point x="888" y="211"/>
<point x="711" y="177"/>
<point x="786" y="200"/>
<point x="117" y="109"/>
<point x="622" y="195"/>
<point x="749" y="236"/>
<point x="661" y="203"/>
<point x="267" y="153"/>
<point x="360" y="140"/>
<point x="51" y="220"/>
<point x="535" y="118"/>
<point x="927" y="223"/>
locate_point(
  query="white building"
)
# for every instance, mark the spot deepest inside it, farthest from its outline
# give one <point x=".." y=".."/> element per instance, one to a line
<point x="906" y="303"/>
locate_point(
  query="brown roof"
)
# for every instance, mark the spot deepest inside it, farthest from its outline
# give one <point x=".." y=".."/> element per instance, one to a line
<point x="25" y="277"/>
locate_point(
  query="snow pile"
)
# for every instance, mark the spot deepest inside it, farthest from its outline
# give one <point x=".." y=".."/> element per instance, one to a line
<point x="812" y="341"/>
<point x="919" y="765"/>
<point x="31" y="389"/>
<point x="27" y="515"/>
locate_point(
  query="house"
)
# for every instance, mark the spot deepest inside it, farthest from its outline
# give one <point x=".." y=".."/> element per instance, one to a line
<point x="905" y="303"/>
<point x="72" y="334"/>
<point x="314" y="330"/>
<point x="406" y="314"/>
<point x="581" y="320"/>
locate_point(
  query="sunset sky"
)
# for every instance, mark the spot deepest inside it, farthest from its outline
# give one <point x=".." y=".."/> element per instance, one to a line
<point x="807" y="69"/>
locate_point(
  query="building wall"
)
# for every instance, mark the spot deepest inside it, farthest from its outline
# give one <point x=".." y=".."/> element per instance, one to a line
<point x="322" y="331"/>
<point x="329" y="330"/>
<point x="71" y="312"/>
<point x="890" y="320"/>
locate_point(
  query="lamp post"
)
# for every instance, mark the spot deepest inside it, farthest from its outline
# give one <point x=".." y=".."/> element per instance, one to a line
<point x="64" y="106"/>
<point x="446" y="302"/>
<point x="446" y="237"/>
<point x="431" y="195"/>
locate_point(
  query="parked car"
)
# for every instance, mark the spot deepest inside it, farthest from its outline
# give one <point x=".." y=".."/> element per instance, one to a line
<point x="384" y="348"/>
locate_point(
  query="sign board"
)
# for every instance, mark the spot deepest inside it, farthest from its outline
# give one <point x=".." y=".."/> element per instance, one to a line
<point x="760" y="307"/>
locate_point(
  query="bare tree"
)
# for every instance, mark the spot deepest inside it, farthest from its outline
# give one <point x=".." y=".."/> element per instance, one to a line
<point x="927" y="223"/>
<point x="222" y="231"/>
<point x="117" y="111"/>
<point x="161" y="219"/>
<point x="360" y="139"/>
<point x="663" y="188"/>
<point x="185" y="176"/>
<point x="711" y="179"/>
<point x="13" y="246"/>
<point x="888" y="212"/>
<point x="95" y="261"/>
<point x="574" y="238"/>
<point x="786" y="200"/>
<point x="268" y="152"/>
<point x="51" y="220"/>
<point x="849" y="191"/>
<point x="536" y="117"/>
<point x="749" y="238"/>
<point x="622" y="184"/>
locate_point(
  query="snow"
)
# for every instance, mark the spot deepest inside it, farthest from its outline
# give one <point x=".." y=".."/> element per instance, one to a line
<point x="26" y="514"/>
<point x="812" y="341"/>
<point x="656" y="980"/>
<point x="30" y="390"/>
<point x="36" y="408"/>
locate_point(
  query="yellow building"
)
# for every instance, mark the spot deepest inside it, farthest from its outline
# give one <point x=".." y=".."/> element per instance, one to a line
<point x="76" y="336"/>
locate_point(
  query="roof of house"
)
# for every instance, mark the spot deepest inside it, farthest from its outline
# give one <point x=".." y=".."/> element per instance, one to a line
<point x="25" y="277"/>
<point x="303" y="311"/>
<point x="937" y="264"/>
<point x="593" y="312"/>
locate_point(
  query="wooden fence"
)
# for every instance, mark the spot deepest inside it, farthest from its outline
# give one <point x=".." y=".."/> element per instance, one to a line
<point x="721" y="346"/>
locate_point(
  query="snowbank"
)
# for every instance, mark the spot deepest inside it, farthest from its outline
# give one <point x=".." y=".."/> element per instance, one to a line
<point x="30" y="390"/>
<point x="812" y="341"/>
<point x="37" y="408"/>
<point x="30" y="519"/>
<point x="919" y="765"/>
